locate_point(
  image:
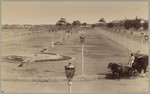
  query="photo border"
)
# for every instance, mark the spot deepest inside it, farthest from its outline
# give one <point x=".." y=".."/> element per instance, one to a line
<point x="75" y="1"/>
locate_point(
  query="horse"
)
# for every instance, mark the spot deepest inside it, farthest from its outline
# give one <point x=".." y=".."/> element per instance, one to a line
<point x="115" y="70"/>
<point x="119" y="71"/>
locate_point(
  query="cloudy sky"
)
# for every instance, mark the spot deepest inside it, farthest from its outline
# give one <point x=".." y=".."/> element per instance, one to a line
<point x="51" y="12"/>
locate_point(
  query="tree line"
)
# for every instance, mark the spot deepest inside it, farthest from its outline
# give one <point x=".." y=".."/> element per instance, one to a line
<point x="136" y="23"/>
<point x="131" y="23"/>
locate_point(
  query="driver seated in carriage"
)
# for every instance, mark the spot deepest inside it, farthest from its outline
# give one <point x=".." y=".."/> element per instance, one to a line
<point x="131" y="60"/>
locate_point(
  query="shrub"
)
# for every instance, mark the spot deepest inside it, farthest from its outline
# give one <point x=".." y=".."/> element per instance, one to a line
<point x="77" y="22"/>
<point x="110" y="25"/>
<point x="136" y="24"/>
<point x="132" y="23"/>
<point x="84" y="24"/>
<point x="128" y="24"/>
<point x="145" y="25"/>
<point x="93" y="26"/>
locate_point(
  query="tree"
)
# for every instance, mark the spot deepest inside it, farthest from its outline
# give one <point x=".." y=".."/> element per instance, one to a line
<point x="102" y="20"/>
<point x="93" y="26"/>
<point x="110" y="25"/>
<point x="136" y="23"/>
<point x="84" y="24"/>
<point x="61" y="22"/>
<point x="68" y="24"/>
<point x="145" y="25"/>
<point x="128" y="24"/>
<point x="77" y="23"/>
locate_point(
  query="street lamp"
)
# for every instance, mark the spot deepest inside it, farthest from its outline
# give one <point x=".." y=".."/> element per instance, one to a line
<point x="131" y="40"/>
<point x="61" y="30"/>
<point x="52" y="38"/>
<point x="124" y="39"/>
<point x="82" y="39"/>
<point x="142" y="36"/>
<point x="69" y="71"/>
<point x="119" y="36"/>
<point x="146" y="39"/>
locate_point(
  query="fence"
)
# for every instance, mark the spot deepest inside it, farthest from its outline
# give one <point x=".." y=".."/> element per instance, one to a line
<point x="129" y="40"/>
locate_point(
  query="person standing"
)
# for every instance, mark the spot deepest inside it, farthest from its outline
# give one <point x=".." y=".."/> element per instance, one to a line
<point x="131" y="61"/>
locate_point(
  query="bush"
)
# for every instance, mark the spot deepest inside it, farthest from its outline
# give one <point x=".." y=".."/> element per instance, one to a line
<point x="132" y="24"/>
<point x="102" y="20"/>
<point x="136" y="24"/>
<point x="128" y="24"/>
<point x="110" y="25"/>
<point x="77" y="22"/>
<point x="93" y="26"/>
<point x="84" y="24"/>
<point x="145" y="25"/>
<point x="68" y="24"/>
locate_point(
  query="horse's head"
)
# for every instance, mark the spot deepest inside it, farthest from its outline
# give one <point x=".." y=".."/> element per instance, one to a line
<point x="109" y="65"/>
<point x="113" y="66"/>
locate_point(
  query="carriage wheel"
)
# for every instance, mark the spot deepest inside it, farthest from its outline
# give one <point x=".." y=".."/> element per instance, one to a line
<point x="135" y="73"/>
<point x="116" y="75"/>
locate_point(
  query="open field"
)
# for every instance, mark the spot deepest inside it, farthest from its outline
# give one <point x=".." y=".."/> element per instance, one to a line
<point x="99" y="51"/>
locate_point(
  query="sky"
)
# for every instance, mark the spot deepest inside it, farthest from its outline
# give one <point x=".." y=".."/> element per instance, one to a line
<point x="89" y="12"/>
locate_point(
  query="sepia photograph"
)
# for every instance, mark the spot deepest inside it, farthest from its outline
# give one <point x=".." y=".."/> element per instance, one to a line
<point x="74" y="47"/>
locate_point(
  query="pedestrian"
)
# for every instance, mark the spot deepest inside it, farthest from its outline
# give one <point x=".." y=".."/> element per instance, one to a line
<point x="131" y="61"/>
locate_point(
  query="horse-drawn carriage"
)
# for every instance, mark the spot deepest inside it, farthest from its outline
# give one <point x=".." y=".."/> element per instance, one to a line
<point x="120" y="71"/>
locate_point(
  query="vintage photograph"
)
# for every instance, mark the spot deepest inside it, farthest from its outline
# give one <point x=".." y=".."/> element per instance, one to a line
<point x="74" y="47"/>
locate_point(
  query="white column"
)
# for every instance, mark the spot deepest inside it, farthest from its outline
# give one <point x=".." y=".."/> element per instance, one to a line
<point x="119" y="38"/>
<point x="82" y="59"/>
<point x="69" y="86"/>
<point x="125" y="40"/>
<point x="146" y="47"/>
<point x="61" y="37"/>
<point x="142" y="43"/>
<point x="52" y="41"/>
<point x="131" y="43"/>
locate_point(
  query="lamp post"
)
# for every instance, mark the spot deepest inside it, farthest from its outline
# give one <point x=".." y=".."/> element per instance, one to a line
<point x="61" y="29"/>
<point x="112" y="35"/>
<point x="66" y="33"/>
<point x="52" y="39"/>
<point x="131" y="42"/>
<point x="82" y="39"/>
<point x="142" y="36"/>
<point x="69" y="71"/>
<point x="11" y="34"/>
<point x="146" y="40"/>
<point x="21" y="40"/>
<point x="115" y="35"/>
<point x="119" y="36"/>
<point x="61" y="36"/>
<point x="124" y="39"/>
